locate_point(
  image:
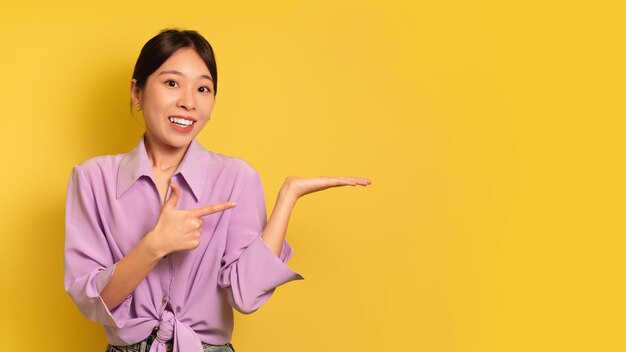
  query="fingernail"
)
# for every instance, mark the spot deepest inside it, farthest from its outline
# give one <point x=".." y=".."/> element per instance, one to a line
<point x="233" y="203"/>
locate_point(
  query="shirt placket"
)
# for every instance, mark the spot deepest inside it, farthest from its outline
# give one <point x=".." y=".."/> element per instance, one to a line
<point x="165" y="274"/>
<point x="164" y="266"/>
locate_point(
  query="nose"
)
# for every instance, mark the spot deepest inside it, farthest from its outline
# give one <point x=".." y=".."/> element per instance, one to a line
<point x="186" y="99"/>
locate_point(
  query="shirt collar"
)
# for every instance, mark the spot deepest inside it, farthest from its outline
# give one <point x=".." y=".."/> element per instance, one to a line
<point x="136" y="164"/>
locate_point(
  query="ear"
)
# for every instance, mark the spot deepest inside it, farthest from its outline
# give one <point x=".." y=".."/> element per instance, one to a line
<point x="135" y="93"/>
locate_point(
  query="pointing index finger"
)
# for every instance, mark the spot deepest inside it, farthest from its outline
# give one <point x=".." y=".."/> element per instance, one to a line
<point x="213" y="208"/>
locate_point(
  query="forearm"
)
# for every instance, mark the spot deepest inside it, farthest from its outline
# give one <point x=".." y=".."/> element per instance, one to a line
<point x="129" y="272"/>
<point x="276" y="228"/>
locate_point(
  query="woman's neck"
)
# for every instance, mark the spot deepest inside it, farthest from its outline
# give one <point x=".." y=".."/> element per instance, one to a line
<point x="163" y="157"/>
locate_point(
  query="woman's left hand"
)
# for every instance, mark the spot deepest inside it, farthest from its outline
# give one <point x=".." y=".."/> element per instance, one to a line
<point x="293" y="188"/>
<point x="300" y="186"/>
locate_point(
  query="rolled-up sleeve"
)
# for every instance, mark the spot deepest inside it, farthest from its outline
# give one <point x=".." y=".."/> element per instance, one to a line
<point x="250" y="270"/>
<point x="89" y="264"/>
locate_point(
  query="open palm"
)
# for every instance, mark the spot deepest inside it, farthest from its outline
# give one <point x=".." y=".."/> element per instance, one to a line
<point x="301" y="186"/>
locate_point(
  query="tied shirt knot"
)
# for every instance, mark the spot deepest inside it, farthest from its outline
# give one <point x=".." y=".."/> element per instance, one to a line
<point x="185" y="339"/>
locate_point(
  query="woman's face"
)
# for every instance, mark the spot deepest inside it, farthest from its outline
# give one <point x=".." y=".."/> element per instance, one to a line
<point x="177" y="99"/>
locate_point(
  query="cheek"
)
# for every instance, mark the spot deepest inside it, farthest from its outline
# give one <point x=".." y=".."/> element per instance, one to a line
<point x="151" y="119"/>
<point x="158" y="99"/>
<point x="208" y="108"/>
<point x="154" y="110"/>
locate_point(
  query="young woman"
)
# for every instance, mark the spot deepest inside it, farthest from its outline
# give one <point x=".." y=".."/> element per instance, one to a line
<point x="162" y="242"/>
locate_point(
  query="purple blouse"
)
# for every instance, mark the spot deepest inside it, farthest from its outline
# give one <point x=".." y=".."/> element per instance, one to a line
<point x="113" y="202"/>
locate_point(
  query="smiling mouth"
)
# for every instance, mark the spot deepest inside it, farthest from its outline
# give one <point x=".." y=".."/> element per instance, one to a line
<point x="180" y="121"/>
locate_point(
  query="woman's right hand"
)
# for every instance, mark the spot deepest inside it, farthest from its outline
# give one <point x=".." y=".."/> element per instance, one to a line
<point x="178" y="230"/>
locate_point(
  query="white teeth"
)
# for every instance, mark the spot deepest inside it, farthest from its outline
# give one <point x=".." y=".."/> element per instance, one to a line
<point x="181" y="122"/>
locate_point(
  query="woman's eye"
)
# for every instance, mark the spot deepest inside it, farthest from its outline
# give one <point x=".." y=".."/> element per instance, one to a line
<point x="171" y="83"/>
<point x="204" y="90"/>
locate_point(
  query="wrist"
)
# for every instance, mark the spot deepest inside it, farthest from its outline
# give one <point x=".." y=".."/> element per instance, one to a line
<point x="151" y="247"/>
<point x="287" y="194"/>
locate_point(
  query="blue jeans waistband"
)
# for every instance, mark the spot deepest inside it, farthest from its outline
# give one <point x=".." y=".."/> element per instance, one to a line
<point x="144" y="346"/>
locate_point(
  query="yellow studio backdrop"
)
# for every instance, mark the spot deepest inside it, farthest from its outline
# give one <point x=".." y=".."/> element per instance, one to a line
<point x="493" y="132"/>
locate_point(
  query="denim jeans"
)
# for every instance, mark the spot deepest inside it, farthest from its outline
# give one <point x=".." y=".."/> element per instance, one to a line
<point x="144" y="346"/>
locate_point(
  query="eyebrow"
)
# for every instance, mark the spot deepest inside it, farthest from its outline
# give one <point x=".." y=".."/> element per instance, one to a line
<point x="181" y="74"/>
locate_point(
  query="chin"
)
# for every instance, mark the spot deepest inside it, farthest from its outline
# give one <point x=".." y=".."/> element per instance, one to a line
<point x="172" y="139"/>
<point x="179" y="141"/>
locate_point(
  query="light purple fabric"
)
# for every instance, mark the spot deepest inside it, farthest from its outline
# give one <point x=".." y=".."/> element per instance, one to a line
<point x="113" y="202"/>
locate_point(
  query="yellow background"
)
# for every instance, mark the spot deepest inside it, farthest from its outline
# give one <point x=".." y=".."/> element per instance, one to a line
<point x="493" y="132"/>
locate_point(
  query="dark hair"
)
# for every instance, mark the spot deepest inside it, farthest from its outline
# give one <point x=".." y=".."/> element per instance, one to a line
<point x="160" y="47"/>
